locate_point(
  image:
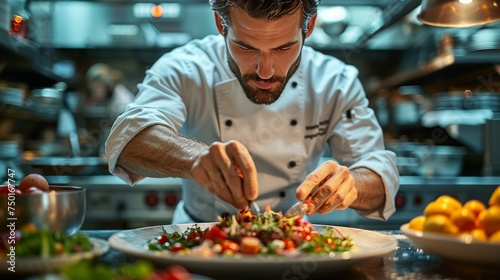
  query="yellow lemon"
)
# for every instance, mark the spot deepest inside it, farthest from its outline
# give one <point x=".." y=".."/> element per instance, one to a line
<point x="441" y="224"/>
<point x="417" y="223"/>
<point x="438" y="208"/>
<point x="476" y="206"/>
<point x="495" y="237"/>
<point x="464" y="219"/>
<point x="479" y="234"/>
<point x="491" y="220"/>
<point x="495" y="197"/>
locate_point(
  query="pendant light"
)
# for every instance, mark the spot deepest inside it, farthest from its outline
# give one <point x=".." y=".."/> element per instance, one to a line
<point x="459" y="13"/>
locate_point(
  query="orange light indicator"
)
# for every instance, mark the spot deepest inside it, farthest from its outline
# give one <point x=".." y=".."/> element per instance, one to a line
<point x="157" y="11"/>
<point x="18" y="19"/>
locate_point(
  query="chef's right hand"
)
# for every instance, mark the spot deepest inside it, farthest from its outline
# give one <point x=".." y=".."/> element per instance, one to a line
<point x="227" y="170"/>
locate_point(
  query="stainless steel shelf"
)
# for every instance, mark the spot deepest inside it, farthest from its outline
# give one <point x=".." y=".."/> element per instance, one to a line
<point x="26" y="62"/>
<point x="18" y="46"/>
<point x="449" y="65"/>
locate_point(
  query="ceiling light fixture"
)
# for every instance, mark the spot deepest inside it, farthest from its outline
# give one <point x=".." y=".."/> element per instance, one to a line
<point x="459" y="13"/>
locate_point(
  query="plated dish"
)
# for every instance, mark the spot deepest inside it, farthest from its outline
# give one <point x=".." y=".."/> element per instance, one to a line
<point x="368" y="244"/>
<point x="455" y="247"/>
<point x="51" y="264"/>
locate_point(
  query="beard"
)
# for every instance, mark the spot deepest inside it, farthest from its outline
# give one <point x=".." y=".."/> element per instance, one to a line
<point x="261" y="96"/>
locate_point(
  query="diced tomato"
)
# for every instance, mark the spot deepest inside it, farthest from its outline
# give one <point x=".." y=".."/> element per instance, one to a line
<point x="192" y="236"/>
<point x="306" y="236"/>
<point x="162" y="239"/>
<point x="177" y="247"/>
<point x="289" y="245"/>
<point x="215" y="233"/>
<point x="230" y="245"/>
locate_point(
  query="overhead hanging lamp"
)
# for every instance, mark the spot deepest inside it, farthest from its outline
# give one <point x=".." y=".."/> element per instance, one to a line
<point x="459" y="13"/>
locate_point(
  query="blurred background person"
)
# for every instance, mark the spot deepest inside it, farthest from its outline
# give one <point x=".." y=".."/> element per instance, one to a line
<point x="105" y="88"/>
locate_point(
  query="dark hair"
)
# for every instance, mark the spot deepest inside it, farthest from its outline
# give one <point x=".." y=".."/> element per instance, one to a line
<point x="266" y="9"/>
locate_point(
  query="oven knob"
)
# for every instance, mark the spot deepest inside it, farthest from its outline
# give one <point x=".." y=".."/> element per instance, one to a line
<point x="151" y="199"/>
<point x="417" y="200"/>
<point x="400" y="201"/>
<point x="170" y="199"/>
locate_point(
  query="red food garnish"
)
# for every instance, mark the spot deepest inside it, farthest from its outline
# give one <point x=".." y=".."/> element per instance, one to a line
<point x="215" y="234"/>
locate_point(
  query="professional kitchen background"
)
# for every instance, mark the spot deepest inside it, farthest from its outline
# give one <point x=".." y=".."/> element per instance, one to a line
<point x="435" y="91"/>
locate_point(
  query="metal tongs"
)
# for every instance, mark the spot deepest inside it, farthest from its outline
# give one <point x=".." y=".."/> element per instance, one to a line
<point x="300" y="208"/>
<point x="255" y="206"/>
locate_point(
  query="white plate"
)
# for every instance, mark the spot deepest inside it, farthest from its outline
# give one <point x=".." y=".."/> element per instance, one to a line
<point x="368" y="244"/>
<point x="52" y="264"/>
<point x="458" y="248"/>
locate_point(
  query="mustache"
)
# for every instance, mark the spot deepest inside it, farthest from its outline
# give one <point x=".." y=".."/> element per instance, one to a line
<point x="255" y="77"/>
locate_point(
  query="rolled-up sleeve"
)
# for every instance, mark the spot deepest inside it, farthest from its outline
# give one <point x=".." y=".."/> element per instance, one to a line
<point x="158" y="102"/>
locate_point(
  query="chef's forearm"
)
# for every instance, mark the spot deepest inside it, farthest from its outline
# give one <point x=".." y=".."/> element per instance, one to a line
<point x="370" y="187"/>
<point x="158" y="151"/>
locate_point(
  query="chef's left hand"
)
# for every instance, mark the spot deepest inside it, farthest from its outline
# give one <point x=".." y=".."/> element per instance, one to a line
<point x="336" y="188"/>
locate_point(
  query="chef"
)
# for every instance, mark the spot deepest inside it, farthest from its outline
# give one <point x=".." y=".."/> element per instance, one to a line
<point x="247" y="115"/>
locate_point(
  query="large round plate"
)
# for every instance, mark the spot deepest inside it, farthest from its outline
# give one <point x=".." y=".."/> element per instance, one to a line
<point x="53" y="264"/>
<point x="458" y="248"/>
<point x="368" y="244"/>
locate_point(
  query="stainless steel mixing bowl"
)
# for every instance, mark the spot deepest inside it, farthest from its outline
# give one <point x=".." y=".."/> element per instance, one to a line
<point x="62" y="210"/>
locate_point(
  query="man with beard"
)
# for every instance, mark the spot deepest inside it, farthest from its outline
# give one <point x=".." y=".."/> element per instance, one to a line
<point x="246" y="115"/>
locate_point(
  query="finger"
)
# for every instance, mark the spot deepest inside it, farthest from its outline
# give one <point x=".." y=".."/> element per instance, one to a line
<point x="348" y="200"/>
<point x="222" y="161"/>
<point x="344" y="196"/>
<point x="316" y="178"/>
<point x="332" y="190"/>
<point x="245" y="166"/>
<point x="236" y="189"/>
<point x="201" y="176"/>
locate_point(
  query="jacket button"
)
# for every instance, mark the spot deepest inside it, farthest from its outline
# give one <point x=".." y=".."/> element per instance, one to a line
<point x="294" y="84"/>
<point x="282" y="194"/>
<point x="229" y="123"/>
<point x="291" y="164"/>
<point x="293" y="122"/>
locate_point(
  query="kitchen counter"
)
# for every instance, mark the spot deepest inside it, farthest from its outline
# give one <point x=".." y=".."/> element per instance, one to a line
<point x="407" y="262"/>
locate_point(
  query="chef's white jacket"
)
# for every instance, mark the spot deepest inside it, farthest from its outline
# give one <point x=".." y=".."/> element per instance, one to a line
<point x="192" y="90"/>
